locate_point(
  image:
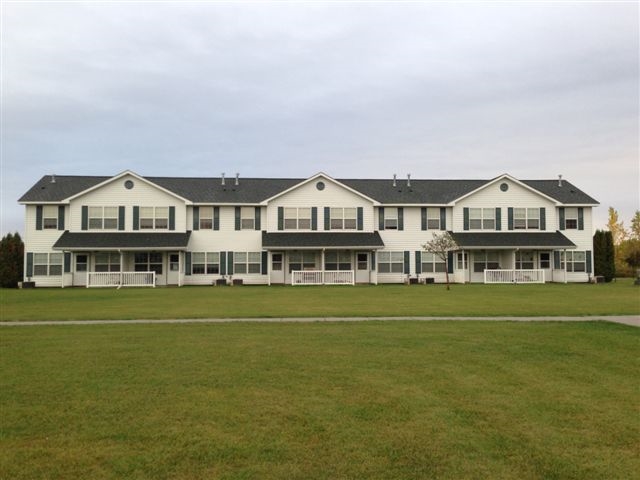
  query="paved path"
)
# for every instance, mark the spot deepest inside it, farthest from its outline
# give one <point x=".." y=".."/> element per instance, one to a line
<point x="633" y="320"/>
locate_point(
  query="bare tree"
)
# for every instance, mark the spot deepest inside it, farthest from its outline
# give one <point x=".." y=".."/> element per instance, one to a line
<point x="441" y="244"/>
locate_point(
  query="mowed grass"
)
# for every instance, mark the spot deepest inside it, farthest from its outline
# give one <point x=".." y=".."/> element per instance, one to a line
<point x="392" y="400"/>
<point x="620" y="298"/>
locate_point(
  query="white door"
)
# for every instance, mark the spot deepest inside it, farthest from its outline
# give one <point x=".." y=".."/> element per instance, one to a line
<point x="363" y="267"/>
<point x="277" y="268"/>
<point x="173" y="274"/>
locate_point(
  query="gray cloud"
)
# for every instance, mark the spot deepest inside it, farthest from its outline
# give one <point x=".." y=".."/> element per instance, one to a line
<point x="360" y="89"/>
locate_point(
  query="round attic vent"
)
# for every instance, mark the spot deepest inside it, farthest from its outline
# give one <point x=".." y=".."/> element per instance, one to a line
<point x="504" y="187"/>
<point x="320" y="185"/>
<point x="128" y="184"/>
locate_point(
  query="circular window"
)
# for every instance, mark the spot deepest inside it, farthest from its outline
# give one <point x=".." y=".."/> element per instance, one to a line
<point x="504" y="187"/>
<point x="128" y="184"/>
<point x="320" y="185"/>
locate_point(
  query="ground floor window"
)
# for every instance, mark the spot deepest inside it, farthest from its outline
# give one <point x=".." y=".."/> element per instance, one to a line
<point x="302" y="261"/>
<point x="545" y="260"/>
<point x="247" y="262"/>
<point x="82" y="262"/>
<point x="205" y="263"/>
<point x="463" y="260"/>
<point x="148" y="262"/>
<point x="107" y="262"/>
<point x="485" y="261"/>
<point x="335" y="260"/>
<point x="47" y="264"/>
<point x="525" y="260"/>
<point x="391" y="262"/>
<point x="432" y="263"/>
<point x="276" y="262"/>
<point x="576" y="261"/>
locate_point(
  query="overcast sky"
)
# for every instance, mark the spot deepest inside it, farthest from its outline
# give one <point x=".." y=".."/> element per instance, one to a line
<point x="438" y="90"/>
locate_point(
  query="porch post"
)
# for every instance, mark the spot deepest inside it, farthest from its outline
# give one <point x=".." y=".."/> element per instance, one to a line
<point x="565" y="265"/>
<point x="322" y="264"/>
<point x="179" y="268"/>
<point x="269" y="263"/>
<point x="121" y="266"/>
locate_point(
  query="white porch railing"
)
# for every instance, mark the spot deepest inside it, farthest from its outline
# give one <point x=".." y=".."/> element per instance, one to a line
<point x="323" y="277"/>
<point x="121" y="279"/>
<point x="514" y="276"/>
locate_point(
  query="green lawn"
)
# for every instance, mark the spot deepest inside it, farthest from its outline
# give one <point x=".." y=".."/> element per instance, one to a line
<point x="621" y="298"/>
<point x="392" y="400"/>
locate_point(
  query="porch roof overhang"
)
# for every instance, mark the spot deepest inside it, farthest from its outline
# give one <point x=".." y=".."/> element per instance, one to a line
<point x="110" y="241"/>
<point x="512" y="240"/>
<point x="321" y="240"/>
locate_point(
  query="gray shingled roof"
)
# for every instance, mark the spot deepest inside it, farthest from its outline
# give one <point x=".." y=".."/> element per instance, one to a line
<point x="321" y="240"/>
<point x="256" y="190"/>
<point x="512" y="240"/>
<point x="122" y="240"/>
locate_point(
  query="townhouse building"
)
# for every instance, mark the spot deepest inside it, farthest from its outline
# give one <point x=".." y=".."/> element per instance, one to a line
<point x="133" y="230"/>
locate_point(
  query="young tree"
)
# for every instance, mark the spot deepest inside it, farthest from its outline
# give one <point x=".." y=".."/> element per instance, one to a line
<point x="11" y="260"/>
<point x="616" y="227"/>
<point x="441" y="244"/>
<point x="603" y="255"/>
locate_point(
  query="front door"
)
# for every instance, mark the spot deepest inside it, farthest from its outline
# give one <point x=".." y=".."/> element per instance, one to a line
<point x="362" y="267"/>
<point x="80" y="269"/>
<point x="173" y="275"/>
<point x="277" y="268"/>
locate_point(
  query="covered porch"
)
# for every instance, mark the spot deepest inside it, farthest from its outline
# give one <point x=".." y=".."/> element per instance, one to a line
<point x="123" y="259"/>
<point x="509" y="257"/>
<point x="321" y="258"/>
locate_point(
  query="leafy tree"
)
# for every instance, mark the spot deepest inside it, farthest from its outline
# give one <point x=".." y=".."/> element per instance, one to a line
<point x="11" y="260"/>
<point x="616" y="227"/>
<point x="635" y="226"/>
<point x="632" y="256"/>
<point x="604" y="255"/>
<point x="441" y="244"/>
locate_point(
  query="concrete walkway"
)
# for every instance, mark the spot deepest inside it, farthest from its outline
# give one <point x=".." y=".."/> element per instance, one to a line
<point x="633" y="320"/>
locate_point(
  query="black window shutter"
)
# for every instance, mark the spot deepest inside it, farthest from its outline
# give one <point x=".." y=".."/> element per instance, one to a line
<point x="418" y="262"/>
<point x="187" y="263"/>
<point x="314" y="218"/>
<point x="360" y="219"/>
<point x="543" y="218"/>
<point x="196" y="218"/>
<point x="588" y="253"/>
<point x="510" y="218"/>
<point x="265" y="261"/>
<point x="381" y="218"/>
<point x="449" y="262"/>
<point x="223" y="263"/>
<point x="443" y="218"/>
<point x="60" y="217"/>
<point x="423" y="218"/>
<point x="230" y="263"/>
<point x="67" y="262"/>
<point x="85" y="218"/>
<point x="580" y="218"/>
<point x="400" y="218"/>
<point x="257" y="222"/>
<point x="465" y="218"/>
<point x="280" y="218"/>
<point x="407" y="262"/>
<point x="373" y="261"/>
<point x="121" y="218"/>
<point x="498" y="218"/>
<point x="29" y="272"/>
<point x="561" y="217"/>
<point x="39" y="217"/>
<point x="216" y="218"/>
<point x="136" y="218"/>
<point x="327" y="218"/>
<point x="237" y="227"/>
<point x="172" y="218"/>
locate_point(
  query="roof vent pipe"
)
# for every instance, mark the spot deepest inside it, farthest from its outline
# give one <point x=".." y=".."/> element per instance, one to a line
<point x="237" y="179"/>
<point x="559" y="180"/>
<point x="222" y="178"/>
<point x="53" y="178"/>
<point x="394" y="179"/>
<point x="408" y="179"/>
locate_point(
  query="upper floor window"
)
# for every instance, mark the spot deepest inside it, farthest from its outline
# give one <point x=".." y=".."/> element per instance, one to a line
<point x="390" y="218"/>
<point x="433" y="218"/>
<point x="206" y="218"/>
<point x="103" y="218"/>
<point x="297" y="218"/>
<point x="571" y="218"/>
<point x="344" y="218"/>
<point x="482" y="218"/>
<point x="526" y="218"/>
<point x="50" y="217"/>
<point x="154" y="217"/>
<point x="247" y="218"/>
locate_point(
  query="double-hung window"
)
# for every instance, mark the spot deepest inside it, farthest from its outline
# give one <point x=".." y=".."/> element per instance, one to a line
<point x="205" y="263"/>
<point x="433" y="218"/>
<point x="247" y="218"/>
<point x="576" y="261"/>
<point x="432" y="263"/>
<point x="485" y="261"/>
<point x="526" y="218"/>
<point x="206" y="218"/>
<point x="148" y="262"/>
<point x="47" y="264"/>
<point x="391" y="262"/>
<point x="344" y="218"/>
<point x="337" y="260"/>
<point x="525" y="260"/>
<point x="303" y="260"/>
<point x="154" y="218"/>
<point x="390" y="218"/>
<point x="571" y="218"/>
<point x="107" y="262"/>
<point x="103" y="218"/>
<point x="247" y="262"/>
<point x="297" y="218"/>
<point x="482" y="218"/>
<point x="50" y="217"/>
